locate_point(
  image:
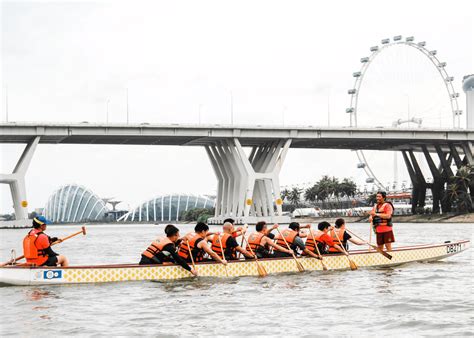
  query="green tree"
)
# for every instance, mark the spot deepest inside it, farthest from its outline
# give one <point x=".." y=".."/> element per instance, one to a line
<point x="285" y="193"/>
<point x="295" y="196"/>
<point x="457" y="192"/>
<point x="311" y="193"/>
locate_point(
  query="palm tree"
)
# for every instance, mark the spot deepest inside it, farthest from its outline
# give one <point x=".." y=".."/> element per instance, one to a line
<point x="295" y="196"/>
<point x="285" y="193"/>
<point x="311" y="193"/>
<point x="463" y="179"/>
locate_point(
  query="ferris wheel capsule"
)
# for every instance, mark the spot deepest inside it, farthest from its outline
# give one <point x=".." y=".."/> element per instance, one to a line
<point x="410" y="39"/>
<point x="364" y="60"/>
<point x="397" y="38"/>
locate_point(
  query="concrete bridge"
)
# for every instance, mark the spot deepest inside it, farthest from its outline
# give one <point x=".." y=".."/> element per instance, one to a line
<point x="248" y="186"/>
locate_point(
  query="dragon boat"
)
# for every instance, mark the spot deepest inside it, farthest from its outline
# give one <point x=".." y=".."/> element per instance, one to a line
<point x="27" y="275"/>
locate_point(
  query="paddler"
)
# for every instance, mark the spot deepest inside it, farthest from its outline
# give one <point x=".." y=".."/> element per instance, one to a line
<point x="163" y="249"/>
<point x="261" y="241"/>
<point x="37" y="246"/>
<point x="292" y="236"/>
<point x="239" y="231"/>
<point x="381" y="219"/>
<point x="340" y="233"/>
<point x="198" y="244"/>
<point x="228" y="242"/>
<point x="324" y="241"/>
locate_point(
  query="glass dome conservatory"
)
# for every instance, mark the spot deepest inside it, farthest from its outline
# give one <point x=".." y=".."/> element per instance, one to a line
<point x="74" y="203"/>
<point x="167" y="208"/>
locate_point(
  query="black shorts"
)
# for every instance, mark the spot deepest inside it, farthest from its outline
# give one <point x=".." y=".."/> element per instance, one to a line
<point x="147" y="261"/>
<point x="278" y="254"/>
<point x="385" y="237"/>
<point x="52" y="261"/>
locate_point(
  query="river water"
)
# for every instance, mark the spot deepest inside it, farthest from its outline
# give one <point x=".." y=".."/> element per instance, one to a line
<point x="416" y="299"/>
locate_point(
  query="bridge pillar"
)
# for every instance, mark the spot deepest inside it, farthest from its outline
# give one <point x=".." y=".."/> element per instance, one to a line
<point x="16" y="181"/>
<point x="447" y="173"/>
<point x="417" y="180"/>
<point x="248" y="188"/>
<point x="421" y="180"/>
<point x="437" y="187"/>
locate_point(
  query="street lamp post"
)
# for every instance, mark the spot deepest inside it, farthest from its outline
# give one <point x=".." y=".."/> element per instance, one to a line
<point x="6" y="103"/>
<point x="127" y="105"/>
<point x="107" y="116"/>
<point x="199" y="113"/>
<point x="231" y="108"/>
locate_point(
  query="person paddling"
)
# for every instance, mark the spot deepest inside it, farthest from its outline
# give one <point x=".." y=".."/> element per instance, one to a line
<point x="195" y="244"/>
<point x="261" y="241"/>
<point x="381" y="218"/>
<point x="228" y="242"/>
<point x="163" y="249"/>
<point x="37" y="246"/>
<point x="292" y="236"/>
<point x="340" y="233"/>
<point x="324" y="241"/>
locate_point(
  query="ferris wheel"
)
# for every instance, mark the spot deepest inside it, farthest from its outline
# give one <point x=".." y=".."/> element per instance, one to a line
<point x="353" y="110"/>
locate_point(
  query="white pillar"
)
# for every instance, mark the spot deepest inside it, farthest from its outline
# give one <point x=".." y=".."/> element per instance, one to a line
<point x="248" y="187"/>
<point x="16" y="180"/>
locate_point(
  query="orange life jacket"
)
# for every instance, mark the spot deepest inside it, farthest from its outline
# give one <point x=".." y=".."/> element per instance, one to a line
<point x="156" y="247"/>
<point x="310" y="244"/>
<point x="31" y="252"/>
<point x="340" y="234"/>
<point x="216" y="245"/>
<point x="383" y="221"/>
<point x="193" y="242"/>
<point x="254" y="241"/>
<point x="289" y="235"/>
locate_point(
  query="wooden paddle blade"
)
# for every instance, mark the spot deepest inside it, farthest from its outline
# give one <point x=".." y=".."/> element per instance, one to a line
<point x="352" y="264"/>
<point x="300" y="267"/>
<point x="384" y="253"/>
<point x="261" y="270"/>
<point x="325" y="268"/>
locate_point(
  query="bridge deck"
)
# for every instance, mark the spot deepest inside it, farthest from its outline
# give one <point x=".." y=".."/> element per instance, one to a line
<point x="199" y="135"/>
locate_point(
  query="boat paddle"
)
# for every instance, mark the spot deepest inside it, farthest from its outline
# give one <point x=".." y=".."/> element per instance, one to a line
<point x="352" y="264"/>
<point x="386" y="254"/>
<point x="191" y="255"/>
<point x="14" y="260"/>
<point x="223" y="256"/>
<point x="298" y="264"/>
<point x="262" y="272"/>
<point x="317" y="249"/>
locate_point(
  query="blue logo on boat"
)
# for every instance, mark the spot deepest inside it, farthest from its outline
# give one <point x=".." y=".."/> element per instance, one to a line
<point x="52" y="274"/>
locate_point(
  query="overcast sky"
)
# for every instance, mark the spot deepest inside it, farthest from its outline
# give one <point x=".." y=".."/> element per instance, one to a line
<point x="283" y="62"/>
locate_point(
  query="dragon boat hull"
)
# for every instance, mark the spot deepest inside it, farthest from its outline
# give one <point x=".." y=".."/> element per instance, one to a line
<point x="23" y="275"/>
